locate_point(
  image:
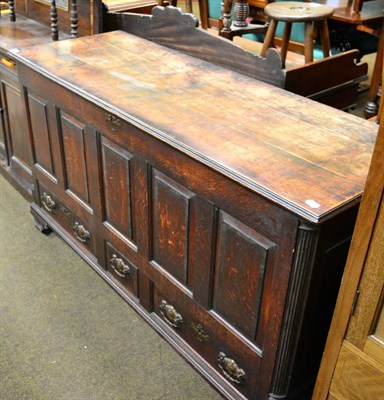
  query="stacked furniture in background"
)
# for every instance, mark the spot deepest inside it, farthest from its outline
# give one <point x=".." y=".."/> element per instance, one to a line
<point x="333" y="81"/>
<point x="355" y="25"/>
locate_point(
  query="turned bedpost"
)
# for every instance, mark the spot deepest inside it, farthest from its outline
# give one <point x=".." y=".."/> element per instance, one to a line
<point x="74" y="19"/>
<point x="54" y="30"/>
<point x="12" y="15"/>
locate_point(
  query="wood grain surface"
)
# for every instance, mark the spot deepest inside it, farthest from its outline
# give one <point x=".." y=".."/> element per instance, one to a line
<point x="23" y="33"/>
<point x="310" y="158"/>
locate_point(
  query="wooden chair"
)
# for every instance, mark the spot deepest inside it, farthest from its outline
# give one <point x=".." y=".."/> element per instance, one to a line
<point x="211" y="14"/>
<point x="230" y="19"/>
<point x="238" y="24"/>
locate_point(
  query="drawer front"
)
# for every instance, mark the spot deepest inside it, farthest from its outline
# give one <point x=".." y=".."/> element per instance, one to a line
<point x="120" y="269"/>
<point x="78" y="229"/>
<point x="226" y="353"/>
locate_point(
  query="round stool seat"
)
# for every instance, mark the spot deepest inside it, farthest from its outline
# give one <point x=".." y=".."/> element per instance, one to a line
<point x="295" y="11"/>
<point x="290" y="12"/>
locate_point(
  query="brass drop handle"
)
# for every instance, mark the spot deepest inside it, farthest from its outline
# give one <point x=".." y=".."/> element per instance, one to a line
<point x="119" y="266"/>
<point x="81" y="233"/>
<point x="48" y="203"/>
<point x="8" y="63"/>
<point x="171" y="316"/>
<point x="230" y="369"/>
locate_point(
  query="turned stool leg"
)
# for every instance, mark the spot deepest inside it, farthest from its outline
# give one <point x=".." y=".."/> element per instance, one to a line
<point x="269" y="37"/>
<point x="285" y="42"/>
<point x="308" y="42"/>
<point x="324" y="37"/>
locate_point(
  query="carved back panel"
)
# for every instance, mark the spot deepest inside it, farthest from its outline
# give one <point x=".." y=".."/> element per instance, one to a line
<point x="170" y="27"/>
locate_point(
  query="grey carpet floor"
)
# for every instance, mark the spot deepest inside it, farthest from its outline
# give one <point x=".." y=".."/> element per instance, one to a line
<point x="66" y="335"/>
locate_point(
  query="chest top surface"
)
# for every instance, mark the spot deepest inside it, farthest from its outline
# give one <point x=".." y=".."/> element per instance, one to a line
<point x="309" y="158"/>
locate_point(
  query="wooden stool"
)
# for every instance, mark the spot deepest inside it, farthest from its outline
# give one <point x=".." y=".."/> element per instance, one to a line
<point x="294" y="11"/>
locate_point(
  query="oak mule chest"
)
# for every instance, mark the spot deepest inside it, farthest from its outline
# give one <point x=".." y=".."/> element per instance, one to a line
<point x="219" y="207"/>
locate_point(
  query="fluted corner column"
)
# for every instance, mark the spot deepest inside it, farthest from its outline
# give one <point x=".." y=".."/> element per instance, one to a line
<point x="305" y="251"/>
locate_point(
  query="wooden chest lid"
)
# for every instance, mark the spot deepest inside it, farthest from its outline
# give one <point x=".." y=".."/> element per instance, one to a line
<point x="309" y="158"/>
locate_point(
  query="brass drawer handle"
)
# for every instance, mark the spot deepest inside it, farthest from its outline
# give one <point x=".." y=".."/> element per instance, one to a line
<point x="81" y="233"/>
<point x="171" y="316"/>
<point x="48" y="203"/>
<point x="119" y="266"/>
<point x="113" y="121"/>
<point x="230" y="369"/>
<point x="8" y="63"/>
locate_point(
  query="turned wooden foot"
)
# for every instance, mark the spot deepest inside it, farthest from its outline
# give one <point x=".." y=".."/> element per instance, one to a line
<point x="42" y="226"/>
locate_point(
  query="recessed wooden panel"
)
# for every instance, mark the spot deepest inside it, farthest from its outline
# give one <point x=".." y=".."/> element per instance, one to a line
<point x="117" y="187"/>
<point x="241" y="261"/>
<point x="40" y="131"/>
<point x="170" y="213"/>
<point x="73" y="141"/>
<point x="19" y="145"/>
